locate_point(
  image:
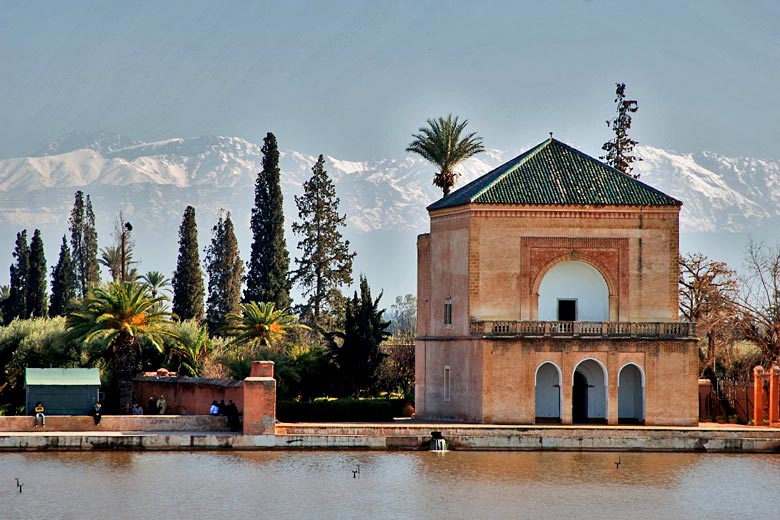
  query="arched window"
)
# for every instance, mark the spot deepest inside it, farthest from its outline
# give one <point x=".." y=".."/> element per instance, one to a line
<point x="573" y="291"/>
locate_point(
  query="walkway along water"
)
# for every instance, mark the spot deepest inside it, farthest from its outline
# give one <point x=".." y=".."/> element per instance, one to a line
<point x="261" y="431"/>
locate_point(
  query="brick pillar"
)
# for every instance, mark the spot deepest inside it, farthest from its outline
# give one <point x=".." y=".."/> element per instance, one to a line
<point x="260" y="399"/>
<point x="758" y="396"/>
<point x="774" y="395"/>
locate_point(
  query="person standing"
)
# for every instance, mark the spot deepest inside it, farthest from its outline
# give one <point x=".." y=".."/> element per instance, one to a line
<point x="97" y="412"/>
<point x="151" y="405"/>
<point x="232" y="414"/>
<point x="162" y="404"/>
<point x="39" y="409"/>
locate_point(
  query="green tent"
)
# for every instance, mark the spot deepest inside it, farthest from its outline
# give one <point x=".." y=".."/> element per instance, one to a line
<point x="63" y="391"/>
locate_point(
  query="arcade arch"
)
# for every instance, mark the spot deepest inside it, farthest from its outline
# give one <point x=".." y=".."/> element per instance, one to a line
<point x="631" y="394"/>
<point x="589" y="392"/>
<point x="548" y="393"/>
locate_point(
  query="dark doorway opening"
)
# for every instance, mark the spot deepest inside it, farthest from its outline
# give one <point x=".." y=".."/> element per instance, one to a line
<point x="567" y="310"/>
<point x="579" y="399"/>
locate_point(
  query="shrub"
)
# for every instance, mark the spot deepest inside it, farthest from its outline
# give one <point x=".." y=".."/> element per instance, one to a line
<point x="337" y="410"/>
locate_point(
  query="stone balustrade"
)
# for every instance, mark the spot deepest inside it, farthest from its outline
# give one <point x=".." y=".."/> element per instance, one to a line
<point x="597" y="329"/>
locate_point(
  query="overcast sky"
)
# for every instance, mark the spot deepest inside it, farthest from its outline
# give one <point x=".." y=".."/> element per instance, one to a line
<point x="355" y="79"/>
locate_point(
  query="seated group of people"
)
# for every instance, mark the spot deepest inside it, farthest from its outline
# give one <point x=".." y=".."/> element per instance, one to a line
<point x="40" y="413"/>
<point x="230" y="410"/>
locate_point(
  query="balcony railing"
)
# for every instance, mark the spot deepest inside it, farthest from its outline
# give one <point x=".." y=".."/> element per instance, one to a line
<point x="599" y="329"/>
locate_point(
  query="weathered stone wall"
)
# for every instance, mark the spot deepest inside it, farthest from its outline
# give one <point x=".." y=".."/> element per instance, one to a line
<point x="116" y="423"/>
<point x="187" y="395"/>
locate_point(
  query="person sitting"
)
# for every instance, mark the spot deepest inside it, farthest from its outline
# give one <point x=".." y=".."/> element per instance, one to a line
<point x="39" y="414"/>
<point x="214" y="410"/>
<point x="97" y="412"/>
<point x="137" y="410"/>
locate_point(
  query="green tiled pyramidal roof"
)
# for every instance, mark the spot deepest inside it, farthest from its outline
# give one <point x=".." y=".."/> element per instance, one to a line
<point x="557" y="174"/>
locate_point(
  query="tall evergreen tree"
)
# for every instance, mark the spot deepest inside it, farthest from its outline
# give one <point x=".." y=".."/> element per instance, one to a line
<point x="20" y="271"/>
<point x="620" y="147"/>
<point x="83" y="243"/>
<point x="63" y="283"/>
<point x="188" y="276"/>
<point x="359" y="356"/>
<point x="226" y="273"/>
<point x="269" y="262"/>
<point x="92" y="269"/>
<point x="37" y="279"/>
<point x="325" y="263"/>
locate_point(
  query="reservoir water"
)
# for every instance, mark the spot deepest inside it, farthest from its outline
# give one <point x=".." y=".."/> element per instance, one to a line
<point x="287" y="484"/>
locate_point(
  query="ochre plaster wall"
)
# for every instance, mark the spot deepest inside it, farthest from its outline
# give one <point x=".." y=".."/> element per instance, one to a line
<point x="511" y="247"/>
<point x="504" y="391"/>
<point x="464" y="357"/>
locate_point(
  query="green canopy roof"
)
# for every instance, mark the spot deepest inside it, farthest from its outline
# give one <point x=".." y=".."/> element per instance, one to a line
<point x="554" y="173"/>
<point x="62" y="376"/>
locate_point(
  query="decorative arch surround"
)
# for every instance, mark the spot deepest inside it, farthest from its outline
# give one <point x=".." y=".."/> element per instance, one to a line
<point x="590" y="399"/>
<point x="548" y="397"/>
<point x="609" y="256"/>
<point x="631" y="394"/>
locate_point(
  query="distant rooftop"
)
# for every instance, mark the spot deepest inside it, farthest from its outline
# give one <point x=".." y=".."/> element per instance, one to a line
<point x="62" y="376"/>
<point x="554" y="173"/>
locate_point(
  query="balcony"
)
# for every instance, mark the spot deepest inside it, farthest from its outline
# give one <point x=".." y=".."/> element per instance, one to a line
<point x="584" y="329"/>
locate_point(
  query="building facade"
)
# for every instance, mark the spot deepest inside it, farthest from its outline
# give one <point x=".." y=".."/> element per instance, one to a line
<point x="547" y="292"/>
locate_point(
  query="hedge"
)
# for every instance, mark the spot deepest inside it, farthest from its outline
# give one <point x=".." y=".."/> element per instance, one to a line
<point x="339" y="410"/>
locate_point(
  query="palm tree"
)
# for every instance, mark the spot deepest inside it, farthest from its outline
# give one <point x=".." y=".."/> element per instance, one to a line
<point x="441" y="143"/>
<point x="111" y="257"/>
<point x="120" y="313"/>
<point x="156" y="281"/>
<point x="193" y="346"/>
<point x="260" y="325"/>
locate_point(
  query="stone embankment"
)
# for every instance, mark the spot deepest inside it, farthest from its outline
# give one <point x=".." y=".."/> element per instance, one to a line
<point x="209" y="433"/>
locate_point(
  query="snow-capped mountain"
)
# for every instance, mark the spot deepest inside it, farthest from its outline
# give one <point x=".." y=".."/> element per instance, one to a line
<point x="385" y="199"/>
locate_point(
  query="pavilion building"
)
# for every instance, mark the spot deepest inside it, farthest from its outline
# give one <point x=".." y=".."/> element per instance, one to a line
<point x="547" y="292"/>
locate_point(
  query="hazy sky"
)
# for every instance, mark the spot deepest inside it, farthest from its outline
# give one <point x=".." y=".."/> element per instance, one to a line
<point x="355" y="79"/>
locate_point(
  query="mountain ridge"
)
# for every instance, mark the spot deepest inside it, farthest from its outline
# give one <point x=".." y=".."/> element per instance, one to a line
<point x="152" y="183"/>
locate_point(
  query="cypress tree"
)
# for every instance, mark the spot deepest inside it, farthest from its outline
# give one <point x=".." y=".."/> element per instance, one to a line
<point x="325" y="263"/>
<point x="188" y="277"/>
<point x="226" y="273"/>
<point x="63" y="282"/>
<point x="20" y="269"/>
<point x="269" y="260"/>
<point x="83" y="244"/>
<point x="619" y="149"/>
<point x="37" y="282"/>
<point x="92" y="270"/>
<point x="359" y="356"/>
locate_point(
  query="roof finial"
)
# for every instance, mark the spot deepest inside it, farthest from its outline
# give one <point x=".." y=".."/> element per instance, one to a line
<point x="551" y="136"/>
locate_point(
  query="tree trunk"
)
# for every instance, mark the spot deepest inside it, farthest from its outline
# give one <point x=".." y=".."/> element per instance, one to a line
<point x="125" y="361"/>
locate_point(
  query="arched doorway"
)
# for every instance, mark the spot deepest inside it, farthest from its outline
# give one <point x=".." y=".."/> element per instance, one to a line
<point x="631" y="395"/>
<point x="589" y="393"/>
<point x="548" y="393"/>
<point x="573" y="291"/>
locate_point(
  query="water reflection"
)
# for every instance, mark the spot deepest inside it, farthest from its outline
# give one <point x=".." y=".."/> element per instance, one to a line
<point x="391" y="485"/>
